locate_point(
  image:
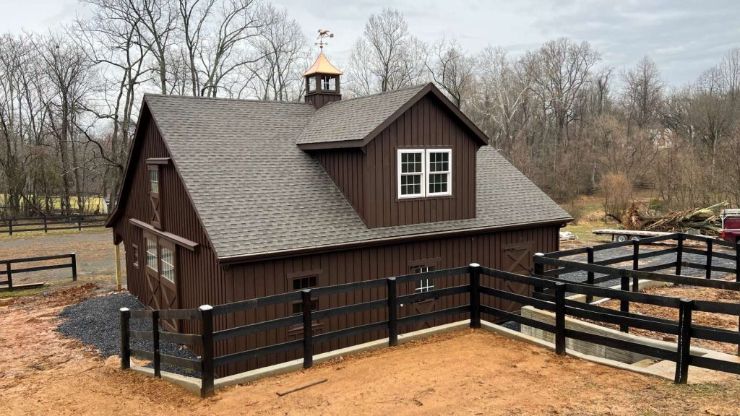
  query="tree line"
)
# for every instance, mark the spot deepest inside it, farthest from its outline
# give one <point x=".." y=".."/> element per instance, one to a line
<point x="69" y="99"/>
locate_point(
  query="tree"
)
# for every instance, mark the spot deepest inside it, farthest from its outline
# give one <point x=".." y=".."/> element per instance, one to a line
<point x="643" y="94"/>
<point x="452" y="71"/>
<point x="386" y="57"/>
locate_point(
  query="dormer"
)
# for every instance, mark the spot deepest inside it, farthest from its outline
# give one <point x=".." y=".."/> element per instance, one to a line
<point x="322" y="82"/>
<point x="401" y="157"/>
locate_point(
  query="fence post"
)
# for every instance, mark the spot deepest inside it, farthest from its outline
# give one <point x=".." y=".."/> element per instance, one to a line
<point x="73" y="256"/>
<point x="155" y="343"/>
<point x="560" y="318"/>
<point x="684" y="341"/>
<point x="590" y="278"/>
<point x="539" y="270"/>
<point x="635" y="264"/>
<point x="9" y="273"/>
<point x="307" y="329"/>
<point x="624" y="304"/>
<point x="46" y="227"/>
<point x="79" y="223"/>
<point x="125" y="338"/>
<point x="10" y="226"/>
<point x="206" y="336"/>
<point x="710" y="245"/>
<point x="474" y="269"/>
<point x="679" y="254"/>
<point x="392" y="312"/>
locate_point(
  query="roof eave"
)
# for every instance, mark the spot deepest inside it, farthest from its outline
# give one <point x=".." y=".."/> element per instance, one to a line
<point x="248" y="258"/>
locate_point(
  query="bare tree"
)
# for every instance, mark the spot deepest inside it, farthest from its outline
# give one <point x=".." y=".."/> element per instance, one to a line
<point x="643" y="94"/>
<point x="387" y="56"/>
<point x="452" y="70"/>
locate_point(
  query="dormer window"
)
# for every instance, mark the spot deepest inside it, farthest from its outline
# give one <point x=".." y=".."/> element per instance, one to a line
<point x="424" y="173"/>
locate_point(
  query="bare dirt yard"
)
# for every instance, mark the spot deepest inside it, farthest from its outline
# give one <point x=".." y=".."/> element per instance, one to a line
<point x="467" y="372"/>
<point x="94" y="249"/>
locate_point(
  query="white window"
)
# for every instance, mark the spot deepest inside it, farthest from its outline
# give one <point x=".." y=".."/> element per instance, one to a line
<point x="168" y="264"/>
<point x="328" y="83"/>
<point x="424" y="172"/>
<point x="151" y="254"/>
<point x="410" y="173"/>
<point x="439" y="172"/>
<point x="425" y="284"/>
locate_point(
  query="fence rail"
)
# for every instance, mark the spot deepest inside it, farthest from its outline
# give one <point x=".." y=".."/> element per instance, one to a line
<point x="17" y="225"/>
<point x="547" y="293"/>
<point x="7" y="269"/>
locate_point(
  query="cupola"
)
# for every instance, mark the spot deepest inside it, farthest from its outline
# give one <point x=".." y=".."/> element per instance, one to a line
<point x="322" y="78"/>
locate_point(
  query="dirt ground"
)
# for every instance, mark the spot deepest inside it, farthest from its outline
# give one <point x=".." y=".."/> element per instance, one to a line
<point x="714" y="320"/>
<point x="467" y="372"/>
<point x="94" y="249"/>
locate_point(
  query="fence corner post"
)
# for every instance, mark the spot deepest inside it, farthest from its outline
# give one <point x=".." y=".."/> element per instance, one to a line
<point x="157" y="363"/>
<point x="206" y="334"/>
<point x="539" y="269"/>
<point x="679" y="254"/>
<point x="684" y="341"/>
<point x="392" y="312"/>
<point x="560" y="318"/>
<point x="590" y="276"/>
<point x="125" y="339"/>
<point x="624" y="304"/>
<point x="474" y="271"/>
<point x="307" y="329"/>
<point x="73" y="257"/>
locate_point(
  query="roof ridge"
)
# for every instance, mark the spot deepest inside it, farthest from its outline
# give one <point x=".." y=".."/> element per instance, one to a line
<point x="240" y="100"/>
<point x="417" y="86"/>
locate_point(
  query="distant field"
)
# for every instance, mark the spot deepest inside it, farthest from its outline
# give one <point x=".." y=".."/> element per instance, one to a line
<point x="92" y="203"/>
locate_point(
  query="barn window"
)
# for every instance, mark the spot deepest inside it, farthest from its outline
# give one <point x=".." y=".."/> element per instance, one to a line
<point x="424" y="173"/>
<point x="328" y="83"/>
<point x="151" y="254"/>
<point x="154" y="180"/>
<point x="154" y="198"/>
<point x="425" y="284"/>
<point x="168" y="264"/>
<point x="438" y="171"/>
<point x="135" y="255"/>
<point x="410" y="173"/>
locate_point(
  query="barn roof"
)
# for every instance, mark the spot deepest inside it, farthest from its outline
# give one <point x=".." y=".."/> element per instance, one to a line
<point x="257" y="193"/>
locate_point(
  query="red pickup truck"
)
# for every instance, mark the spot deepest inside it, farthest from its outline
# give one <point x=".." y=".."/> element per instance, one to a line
<point x="730" y="225"/>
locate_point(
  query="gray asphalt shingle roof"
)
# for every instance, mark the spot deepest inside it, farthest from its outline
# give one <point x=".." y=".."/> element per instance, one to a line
<point x="354" y="119"/>
<point x="256" y="192"/>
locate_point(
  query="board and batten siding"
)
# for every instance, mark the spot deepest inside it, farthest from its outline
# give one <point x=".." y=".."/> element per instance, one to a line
<point x="425" y="125"/>
<point x="346" y="168"/>
<point x="263" y="278"/>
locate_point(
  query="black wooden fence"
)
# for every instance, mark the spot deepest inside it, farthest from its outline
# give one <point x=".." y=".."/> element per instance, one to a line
<point x="9" y="270"/>
<point x="549" y="294"/>
<point x="71" y="222"/>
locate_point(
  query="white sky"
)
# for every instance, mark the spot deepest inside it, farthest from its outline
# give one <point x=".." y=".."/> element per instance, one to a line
<point x="684" y="37"/>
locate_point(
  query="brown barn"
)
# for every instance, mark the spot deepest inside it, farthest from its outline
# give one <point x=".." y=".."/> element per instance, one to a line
<point x="225" y="200"/>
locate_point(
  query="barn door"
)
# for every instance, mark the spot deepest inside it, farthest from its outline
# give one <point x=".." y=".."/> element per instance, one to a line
<point x="151" y="271"/>
<point x="517" y="258"/>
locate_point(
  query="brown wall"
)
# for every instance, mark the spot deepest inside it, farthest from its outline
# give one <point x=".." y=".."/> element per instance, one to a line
<point x="369" y="179"/>
<point x="263" y="278"/>
<point x="346" y="168"/>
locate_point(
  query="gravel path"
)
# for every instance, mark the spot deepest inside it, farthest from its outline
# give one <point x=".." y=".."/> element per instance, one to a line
<point x="95" y="321"/>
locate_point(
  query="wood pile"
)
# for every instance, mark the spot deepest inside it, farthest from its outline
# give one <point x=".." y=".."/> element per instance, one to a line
<point x="706" y="220"/>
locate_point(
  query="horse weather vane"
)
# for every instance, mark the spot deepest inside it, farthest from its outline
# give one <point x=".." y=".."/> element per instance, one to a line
<point x="323" y="35"/>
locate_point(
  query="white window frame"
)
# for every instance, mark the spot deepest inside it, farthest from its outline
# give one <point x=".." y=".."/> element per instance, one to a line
<point x="429" y="172"/>
<point x="424" y="283"/>
<point x="153" y="254"/>
<point x="399" y="173"/>
<point x="167" y="267"/>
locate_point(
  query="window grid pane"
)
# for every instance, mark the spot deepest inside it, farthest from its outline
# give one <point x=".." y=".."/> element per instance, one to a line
<point x="151" y="254"/>
<point x="168" y="264"/>
<point x="154" y="181"/>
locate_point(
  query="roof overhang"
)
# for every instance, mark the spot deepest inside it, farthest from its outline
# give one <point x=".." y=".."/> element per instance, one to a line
<point x="274" y="255"/>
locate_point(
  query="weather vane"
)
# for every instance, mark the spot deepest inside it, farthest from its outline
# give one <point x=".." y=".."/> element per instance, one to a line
<point x="323" y="34"/>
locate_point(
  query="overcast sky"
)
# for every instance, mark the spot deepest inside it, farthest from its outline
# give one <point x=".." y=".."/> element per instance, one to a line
<point x="683" y="37"/>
